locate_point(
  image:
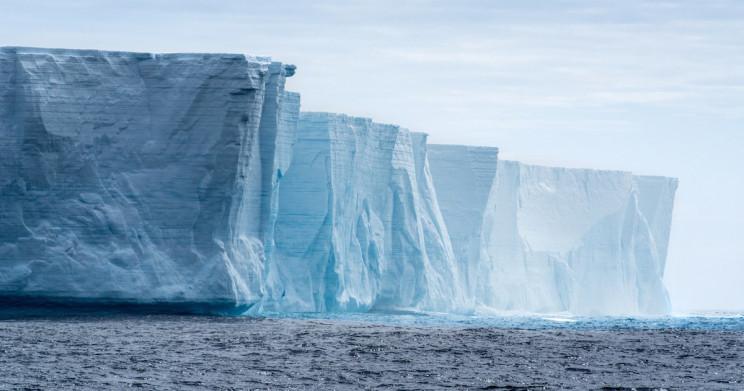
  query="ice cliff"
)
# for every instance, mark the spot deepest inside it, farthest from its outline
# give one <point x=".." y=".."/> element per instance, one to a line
<point x="463" y="176"/>
<point x="557" y="240"/>
<point x="359" y="226"/>
<point x="193" y="181"/>
<point x="136" y="177"/>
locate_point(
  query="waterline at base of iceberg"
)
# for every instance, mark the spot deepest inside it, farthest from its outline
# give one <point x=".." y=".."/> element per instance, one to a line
<point x="12" y="307"/>
<point x="721" y="321"/>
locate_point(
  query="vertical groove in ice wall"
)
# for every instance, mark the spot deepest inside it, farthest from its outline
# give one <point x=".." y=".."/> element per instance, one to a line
<point x="286" y="134"/>
<point x="463" y="176"/>
<point x="656" y="201"/>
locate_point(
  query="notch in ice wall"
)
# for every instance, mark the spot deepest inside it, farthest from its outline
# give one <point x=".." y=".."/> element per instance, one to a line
<point x="133" y="176"/>
<point x="557" y="239"/>
<point x="463" y="177"/>
<point x="358" y="225"/>
<point x="282" y="151"/>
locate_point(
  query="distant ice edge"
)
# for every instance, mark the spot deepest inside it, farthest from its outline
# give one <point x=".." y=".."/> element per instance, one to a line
<point x="558" y="240"/>
<point x="192" y="182"/>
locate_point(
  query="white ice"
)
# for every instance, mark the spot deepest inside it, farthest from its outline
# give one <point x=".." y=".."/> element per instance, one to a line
<point x="193" y="178"/>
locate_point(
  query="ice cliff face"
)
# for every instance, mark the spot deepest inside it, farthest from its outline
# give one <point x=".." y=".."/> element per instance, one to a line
<point x="463" y="176"/>
<point x="358" y="226"/>
<point x="130" y="176"/>
<point x="193" y="180"/>
<point x="556" y="239"/>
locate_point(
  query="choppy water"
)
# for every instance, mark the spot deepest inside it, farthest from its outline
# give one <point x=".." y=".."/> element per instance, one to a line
<point x="370" y="351"/>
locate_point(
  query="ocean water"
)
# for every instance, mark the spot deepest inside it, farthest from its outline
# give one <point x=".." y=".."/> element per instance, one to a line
<point x="698" y="321"/>
<point x="369" y="351"/>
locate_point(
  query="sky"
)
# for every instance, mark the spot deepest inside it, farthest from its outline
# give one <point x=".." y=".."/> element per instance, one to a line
<point x="653" y="87"/>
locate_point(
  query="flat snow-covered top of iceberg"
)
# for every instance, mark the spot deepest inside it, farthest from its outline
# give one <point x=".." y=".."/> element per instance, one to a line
<point x="115" y="53"/>
<point x="345" y="119"/>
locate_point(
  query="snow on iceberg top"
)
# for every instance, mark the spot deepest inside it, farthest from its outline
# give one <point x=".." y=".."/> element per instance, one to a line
<point x="345" y="119"/>
<point x="586" y="171"/>
<point x="96" y="52"/>
<point x="462" y="147"/>
<point x="263" y="61"/>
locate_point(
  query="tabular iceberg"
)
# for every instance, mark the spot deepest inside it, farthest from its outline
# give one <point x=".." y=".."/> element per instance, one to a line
<point x="358" y="226"/>
<point x="193" y="181"/>
<point x="558" y="240"/>
<point x="134" y="177"/>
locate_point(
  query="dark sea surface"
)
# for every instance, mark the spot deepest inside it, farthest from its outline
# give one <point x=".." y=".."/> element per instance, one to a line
<point x="369" y="351"/>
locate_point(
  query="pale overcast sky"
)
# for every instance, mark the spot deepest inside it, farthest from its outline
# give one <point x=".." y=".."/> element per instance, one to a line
<point x="654" y="87"/>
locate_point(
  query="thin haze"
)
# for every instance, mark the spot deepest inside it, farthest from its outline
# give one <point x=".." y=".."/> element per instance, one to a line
<point x="654" y="87"/>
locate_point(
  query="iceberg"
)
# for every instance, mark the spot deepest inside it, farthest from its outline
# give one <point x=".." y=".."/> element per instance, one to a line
<point x="134" y="177"/>
<point x="358" y="225"/>
<point x="193" y="182"/>
<point x="554" y="240"/>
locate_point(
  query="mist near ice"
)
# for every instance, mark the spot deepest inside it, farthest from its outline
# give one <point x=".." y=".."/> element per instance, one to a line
<point x="654" y="88"/>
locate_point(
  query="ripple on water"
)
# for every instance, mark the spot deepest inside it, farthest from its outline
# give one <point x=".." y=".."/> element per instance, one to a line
<point x="358" y="351"/>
